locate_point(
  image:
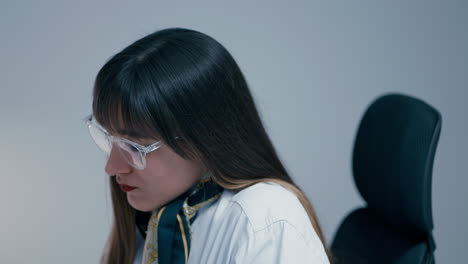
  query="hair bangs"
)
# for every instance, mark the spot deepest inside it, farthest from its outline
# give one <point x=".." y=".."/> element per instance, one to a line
<point x="118" y="108"/>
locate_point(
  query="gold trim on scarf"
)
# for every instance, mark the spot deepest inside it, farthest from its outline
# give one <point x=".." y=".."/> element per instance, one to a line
<point x="184" y="240"/>
<point x="160" y="213"/>
<point x="151" y="239"/>
<point x="150" y="253"/>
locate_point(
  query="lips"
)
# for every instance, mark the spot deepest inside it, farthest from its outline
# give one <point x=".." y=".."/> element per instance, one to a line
<point x="127" y="188"/>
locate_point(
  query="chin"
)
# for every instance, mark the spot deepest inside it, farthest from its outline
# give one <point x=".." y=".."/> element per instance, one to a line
<point x="140" y="206"/>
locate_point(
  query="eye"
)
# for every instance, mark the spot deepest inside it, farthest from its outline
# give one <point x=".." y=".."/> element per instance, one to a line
<point x="128" y="147"/>
<point x="132" y="148"/>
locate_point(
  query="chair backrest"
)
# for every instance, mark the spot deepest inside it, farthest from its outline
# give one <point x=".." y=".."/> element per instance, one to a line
<point x="393" y="158"/>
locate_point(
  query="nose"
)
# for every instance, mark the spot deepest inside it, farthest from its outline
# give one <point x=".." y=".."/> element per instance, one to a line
<point x="116" y="164"/>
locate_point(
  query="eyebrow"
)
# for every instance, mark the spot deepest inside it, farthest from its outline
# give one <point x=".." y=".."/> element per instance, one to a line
<point x="133" y="134"/>
<point x="130" y="133"/>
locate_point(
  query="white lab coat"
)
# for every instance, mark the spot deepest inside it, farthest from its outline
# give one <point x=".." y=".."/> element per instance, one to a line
<point x="264" y="223"/>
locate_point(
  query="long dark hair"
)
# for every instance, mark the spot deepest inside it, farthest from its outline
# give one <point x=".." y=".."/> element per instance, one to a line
<point x="181" y="82"/>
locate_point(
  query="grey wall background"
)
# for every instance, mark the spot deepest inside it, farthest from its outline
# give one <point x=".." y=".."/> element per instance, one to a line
<point x="313" y="67"/>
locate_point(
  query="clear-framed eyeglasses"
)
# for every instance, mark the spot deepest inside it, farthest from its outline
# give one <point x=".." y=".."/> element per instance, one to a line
<point x="134" y="153"/>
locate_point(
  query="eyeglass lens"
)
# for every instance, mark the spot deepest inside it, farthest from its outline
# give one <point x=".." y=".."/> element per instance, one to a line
<point x="131" y="154"/>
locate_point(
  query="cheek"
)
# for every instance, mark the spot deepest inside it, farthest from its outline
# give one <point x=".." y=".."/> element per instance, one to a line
<point x="164" y="187"/>
<point x="159" y="187"/>
<point x="166" y="177"/>
<point x="164" y="166"/>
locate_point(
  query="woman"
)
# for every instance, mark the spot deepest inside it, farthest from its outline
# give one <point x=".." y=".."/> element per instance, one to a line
<point x="194" y="175"/>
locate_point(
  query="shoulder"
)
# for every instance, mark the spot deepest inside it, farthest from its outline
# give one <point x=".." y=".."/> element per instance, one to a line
<point x="267" y="204"/>
<point x="259" y="206"/>
<point x="279" y="227"/>
<point x="264" y="223"/>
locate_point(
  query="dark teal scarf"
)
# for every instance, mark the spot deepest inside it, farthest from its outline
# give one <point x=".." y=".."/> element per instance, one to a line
<point x="169" y="234"/>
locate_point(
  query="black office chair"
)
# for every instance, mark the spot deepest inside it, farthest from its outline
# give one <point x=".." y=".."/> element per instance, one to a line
<point x="392" y="166"/>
